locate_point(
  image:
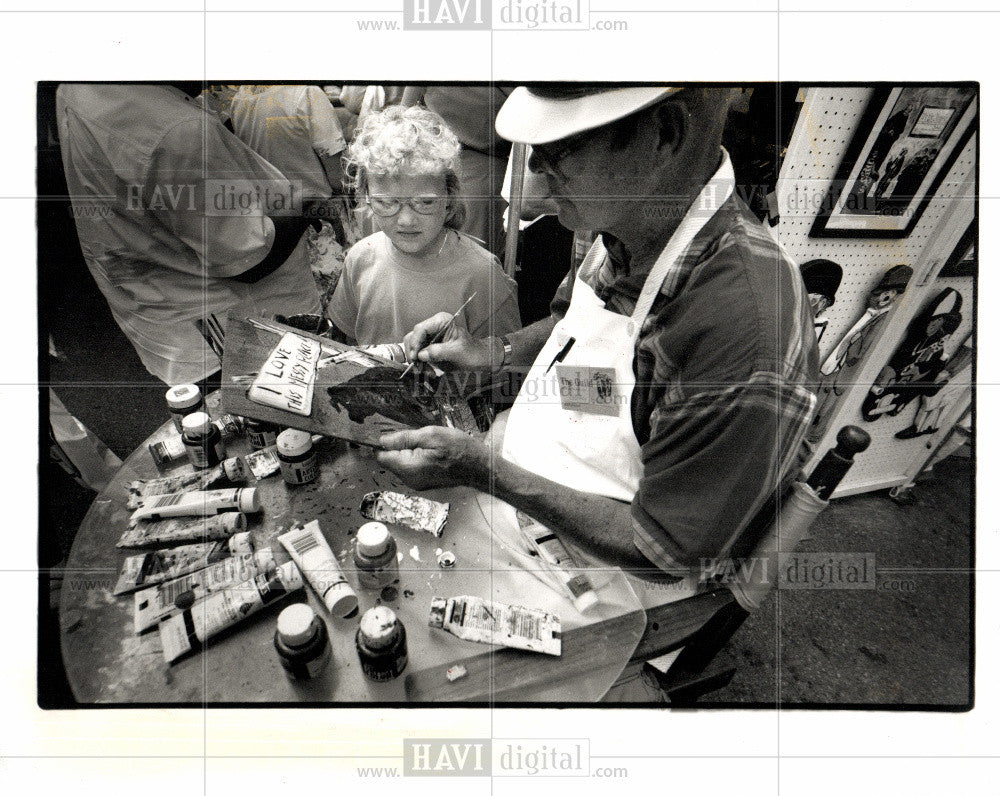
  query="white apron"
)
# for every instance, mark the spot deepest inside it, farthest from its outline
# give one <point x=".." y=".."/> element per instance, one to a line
<point x="573" y="424"/>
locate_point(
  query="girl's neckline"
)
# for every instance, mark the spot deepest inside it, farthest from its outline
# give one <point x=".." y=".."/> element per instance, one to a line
<point x="423" y="263"/>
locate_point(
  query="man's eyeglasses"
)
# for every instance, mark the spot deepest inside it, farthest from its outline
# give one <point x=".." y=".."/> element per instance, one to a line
<point x="385" y="206"/>
<point x="549" y="155"/>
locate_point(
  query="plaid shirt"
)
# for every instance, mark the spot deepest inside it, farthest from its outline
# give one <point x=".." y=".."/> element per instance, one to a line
<point x="726" y="370"/>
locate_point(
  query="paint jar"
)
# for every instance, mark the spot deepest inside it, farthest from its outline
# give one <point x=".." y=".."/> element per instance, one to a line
<point x="183" y="400"/>
<point x="381" y="643"/>
<point x="375" y="556"/>
<point x="261" y="434"/>
<point x="297" y="457"/>
<point x="302" y="642"/>
<point x="203" y="441"/>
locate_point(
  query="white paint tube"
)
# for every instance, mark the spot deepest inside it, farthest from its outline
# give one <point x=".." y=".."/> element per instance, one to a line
<point x="475" y="619"/>
<point x="199" y="504"/>
<point x="188" y="630"/>
<point x="141" y="491"/>
<point x="552" y="551"/>
<point x="153" y="604"/>
<point x="309" y="549"/>
<point x="158" y="566"/>
<point x="167" y="533"/>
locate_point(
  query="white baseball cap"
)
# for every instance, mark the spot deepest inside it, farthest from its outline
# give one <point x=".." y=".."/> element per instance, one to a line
<point x="540" y="114"/>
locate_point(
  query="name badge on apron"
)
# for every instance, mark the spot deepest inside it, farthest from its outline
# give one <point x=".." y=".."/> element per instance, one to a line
<point x="592" y="390"/>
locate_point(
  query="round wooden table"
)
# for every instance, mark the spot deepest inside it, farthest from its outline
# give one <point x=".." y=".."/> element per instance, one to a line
<point x="106" y="662"/>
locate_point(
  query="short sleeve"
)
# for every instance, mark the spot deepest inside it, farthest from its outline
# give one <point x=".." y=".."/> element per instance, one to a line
<point x="708" y="467"/>
<point x="325" y="133"/>
<point x="343" y="308"/>
<point x="205" y="159"/>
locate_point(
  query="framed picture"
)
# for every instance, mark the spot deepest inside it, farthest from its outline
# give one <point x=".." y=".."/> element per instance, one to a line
<point x="963" y="261"/>
<point x="906" y="142"/>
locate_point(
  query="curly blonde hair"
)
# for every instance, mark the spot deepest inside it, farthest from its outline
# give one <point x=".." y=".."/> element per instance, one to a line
<point x="406" y="141"/>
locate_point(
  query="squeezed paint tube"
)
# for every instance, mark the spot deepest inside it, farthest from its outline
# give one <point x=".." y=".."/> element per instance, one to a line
<point x="153" y="604"/>
<point x="179" y="530"/>
<point x="554" y="553"/>
<point x="148" y="569"/>
<point x="475" y="619"/>
<point x="263" y="463"/>
<point x="192" y="627"/>
<point x="198" y="504"/>
<point x="418" y="513"/>
<point x="308" y="548"/>
<point x="231" y="470"/>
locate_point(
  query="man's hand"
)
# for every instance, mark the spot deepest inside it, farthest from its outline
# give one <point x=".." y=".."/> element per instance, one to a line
<point x="435" y="456"/>
<point x="457" y="351"/>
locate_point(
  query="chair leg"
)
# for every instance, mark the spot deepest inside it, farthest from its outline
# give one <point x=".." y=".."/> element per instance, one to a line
<point x="683" y="693"/>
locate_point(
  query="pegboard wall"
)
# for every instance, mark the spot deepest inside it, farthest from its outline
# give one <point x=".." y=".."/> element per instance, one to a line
<point x="825" y="128"/>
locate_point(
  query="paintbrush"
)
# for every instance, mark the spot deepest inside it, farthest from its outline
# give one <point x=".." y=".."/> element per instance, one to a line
<point x="439" y="335"/>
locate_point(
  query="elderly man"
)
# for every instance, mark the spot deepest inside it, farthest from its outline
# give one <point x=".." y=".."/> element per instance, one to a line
<point x="669" y="391"/>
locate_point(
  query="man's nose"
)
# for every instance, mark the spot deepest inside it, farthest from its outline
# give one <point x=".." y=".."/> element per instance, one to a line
<point x="536" y="164"/>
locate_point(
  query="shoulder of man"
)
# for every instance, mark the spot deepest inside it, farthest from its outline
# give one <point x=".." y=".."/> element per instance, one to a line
<point x="742" y="303"/>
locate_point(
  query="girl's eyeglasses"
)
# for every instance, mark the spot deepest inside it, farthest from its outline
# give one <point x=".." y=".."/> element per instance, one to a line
<point x="385" y="206"/>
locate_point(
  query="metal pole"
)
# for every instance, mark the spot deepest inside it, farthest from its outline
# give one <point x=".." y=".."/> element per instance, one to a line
<point x="514" y="208"/>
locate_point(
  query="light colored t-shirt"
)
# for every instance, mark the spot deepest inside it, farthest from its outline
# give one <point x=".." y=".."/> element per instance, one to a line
<point x="291" y="126"/>
<point x="383" y="292"/>
<point x="147" y="170"/>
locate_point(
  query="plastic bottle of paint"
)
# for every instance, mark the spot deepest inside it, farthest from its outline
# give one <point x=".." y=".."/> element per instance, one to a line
<point x="203" y="441"/>
<point x="297" y="457"/>
<point x="302" y="642"/>
<point x="381" y="643"/>
<point x="375" y="556"/>
<point x="183" y="400"/>
<point x="261" y="434"/>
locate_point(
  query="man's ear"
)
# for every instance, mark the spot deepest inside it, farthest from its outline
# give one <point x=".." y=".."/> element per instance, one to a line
<point x="673" y="125"/>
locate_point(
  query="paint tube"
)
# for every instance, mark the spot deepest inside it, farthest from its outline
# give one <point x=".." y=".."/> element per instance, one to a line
<point x="167" y="533"/>
<point x="188" y="630"/>
<point x="232" y="470"/>
<point x="153" y="604"/>
<point x="309" y="549"/>
<point x="554" y="553"/>
<point x="475" y="619"/>
<point x="148" y="569"/>
<point x="418" y="513"/>
<point x="263" y="462"/>
<point x="199" y="504"/>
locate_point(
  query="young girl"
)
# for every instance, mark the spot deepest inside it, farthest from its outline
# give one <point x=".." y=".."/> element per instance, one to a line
<point x="402" y="166"/>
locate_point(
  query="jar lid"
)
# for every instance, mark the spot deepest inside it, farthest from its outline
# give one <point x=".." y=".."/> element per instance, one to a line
<point x="373" y="539"/>
<point x="183" y="396"/>
<point x="439" y="605"/>
<point x="379" y="627"/>
<point x="197" y="423"/>
<point x="295" y="624"/>
<point x="292" y="442"/>
<point x="240" y="543"/>
<point x="234" y="469"/>
<point x="247" y="499"/>
<point x="233" y="521"/>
